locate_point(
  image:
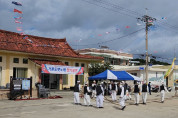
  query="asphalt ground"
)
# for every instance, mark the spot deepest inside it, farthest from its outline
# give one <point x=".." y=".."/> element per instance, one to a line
<point x="65" y="108"/>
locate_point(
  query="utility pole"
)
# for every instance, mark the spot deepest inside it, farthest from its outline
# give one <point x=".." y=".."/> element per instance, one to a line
<point x="148" y="22"/>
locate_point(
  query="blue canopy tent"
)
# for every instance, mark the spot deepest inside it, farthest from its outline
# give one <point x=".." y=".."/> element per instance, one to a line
<point x="107" y="74"/>
<point x="123" y="75"/>
<point x="114" y="75"/>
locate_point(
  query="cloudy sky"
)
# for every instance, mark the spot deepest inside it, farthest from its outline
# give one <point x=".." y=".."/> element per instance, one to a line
<point x="95" y="23"/>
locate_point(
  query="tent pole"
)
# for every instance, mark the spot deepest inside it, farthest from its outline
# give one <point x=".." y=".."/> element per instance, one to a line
<point x="107" y="88"/>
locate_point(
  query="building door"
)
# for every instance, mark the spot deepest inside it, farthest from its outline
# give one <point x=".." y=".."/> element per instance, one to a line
<point x="76" y="79"/>
<point x="166" y="81"/>
<point x="45" y="80"/>
<point x="54" y="81"/>
<point x="50" y="81"/>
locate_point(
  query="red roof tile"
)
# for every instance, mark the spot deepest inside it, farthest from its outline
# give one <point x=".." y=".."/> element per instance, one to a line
<point x="41" y="61"/>
<point x="12" y="41"/>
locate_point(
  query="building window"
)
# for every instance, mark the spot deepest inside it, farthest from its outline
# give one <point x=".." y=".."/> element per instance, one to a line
<point x="20" y="72"/>
<point x="126" y="62"/>
<point x="0" y="59"/>
<point x="16" y="60"/>
<point x="134" y="74"/>
<point x="66" y="63"/>
<point x="76" y="64"/>
<point x="65" y="79"/>
<point x="121" y="62"/>
<point x="25" y="61"/>
<point x="82" y="65"/>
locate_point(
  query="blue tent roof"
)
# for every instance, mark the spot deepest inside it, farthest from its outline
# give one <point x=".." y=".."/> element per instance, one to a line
<point x="122" y="75"/>
<point x="101" y="76"/>
<point x="114" y="75"/>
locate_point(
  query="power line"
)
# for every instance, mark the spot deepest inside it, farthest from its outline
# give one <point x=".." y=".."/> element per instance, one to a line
<point x="130" y="13"/>
<point x="112" y="39"/>
<point x="126" y="46"/>
<point x="119" y="7"/>
<point x="109" y="8"/>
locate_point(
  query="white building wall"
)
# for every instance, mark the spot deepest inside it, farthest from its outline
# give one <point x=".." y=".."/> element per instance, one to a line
<point x="175" y="77"/>
<point x="156" y="76"/>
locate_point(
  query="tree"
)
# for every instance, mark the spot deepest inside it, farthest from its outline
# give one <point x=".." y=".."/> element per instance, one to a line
<point x="96" y="68"/>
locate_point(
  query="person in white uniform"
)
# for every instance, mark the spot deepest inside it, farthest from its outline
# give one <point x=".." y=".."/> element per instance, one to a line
<point x="93" y="89"/>
<point x="136" y="93"/>
<point x="122" y="96"/>
<point x="129" y="93"/>
<point x="162" y="90"/>
<point x="99" y="96"/>
<point x="113" y="88"/>
<point x="86" y="95"/>
<point x="144" y="90"/>
<point x="77" y="89"/>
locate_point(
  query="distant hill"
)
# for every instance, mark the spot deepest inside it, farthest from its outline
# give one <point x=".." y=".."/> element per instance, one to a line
<point x="152" y="61"/>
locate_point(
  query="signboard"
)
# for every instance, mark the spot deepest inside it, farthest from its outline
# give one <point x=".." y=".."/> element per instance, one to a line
<point x="141" y="68"/>
<point x="17" y="84"/>
<point x="25" y="84"/>
<point x="57" y="69"/>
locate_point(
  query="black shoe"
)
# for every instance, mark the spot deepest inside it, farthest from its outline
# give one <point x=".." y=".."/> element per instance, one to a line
<point x="90" y="105"/>
<point x="101" y="107"/>
<point x="162" y="101"/>
<point x="123" y="107"/>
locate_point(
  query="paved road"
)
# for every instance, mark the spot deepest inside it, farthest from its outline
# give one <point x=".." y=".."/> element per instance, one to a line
<point x="64" y="108"/>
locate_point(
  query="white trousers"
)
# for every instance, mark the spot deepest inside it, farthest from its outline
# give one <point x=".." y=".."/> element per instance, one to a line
<point x="144" y="97"/>
<point x="136" y="98"/>
<point x="87" y="99"/>
<point x="122" y="101"/>
<point x="162" y="95"/>
<point x="93" y="93"/>
<point x="113" y="95"/>
<point x="99" y="100"/>
<point x="128" y="96"/>
<point x="76" y="97"/>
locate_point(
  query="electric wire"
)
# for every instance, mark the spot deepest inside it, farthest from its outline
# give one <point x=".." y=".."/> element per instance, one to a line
<point x="109" y="9"/>
<point x="112" y="39"/>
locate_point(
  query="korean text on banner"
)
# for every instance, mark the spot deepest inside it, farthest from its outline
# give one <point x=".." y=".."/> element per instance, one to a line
<point x="57" y="69"/>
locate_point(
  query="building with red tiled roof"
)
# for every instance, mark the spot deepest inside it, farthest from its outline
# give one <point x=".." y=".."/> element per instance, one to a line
<point x="22" y="56"/>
